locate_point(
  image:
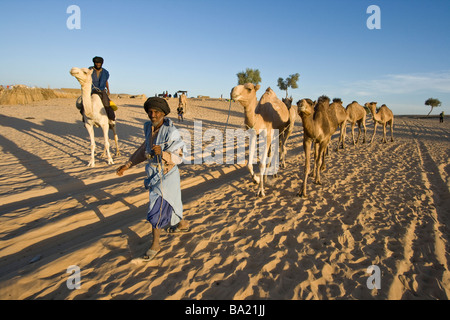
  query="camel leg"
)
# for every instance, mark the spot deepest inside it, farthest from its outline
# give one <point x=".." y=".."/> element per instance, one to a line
<point x="384" y="133"/>
<point x="282" y="149"/>
<point x="307" y="149"/>
<point x="364" y="126"/>
<point x="339" y="139"/>
<point x="374" y="131"/>
<point x="116" y="140"/>
<point x="392" y="130"/>
<point x="319" y="155"/>
<point x="359" y="132"/>
<point x="316" y="154"/>
<point x="263" y="163"/>
<point x="343" y="133"/>
<point x="106" y="138"/>
<point x="286" y="133"/>
<point x="323" y="166"/>
<point x="251" y="155"/>
<point x="273" y="158"/>
<point x="353" y="134"/>
<point x="90" y="130"/>
<point x="318" y="162"/>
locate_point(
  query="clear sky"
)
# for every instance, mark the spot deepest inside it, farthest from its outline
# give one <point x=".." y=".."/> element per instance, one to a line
<point x="200" y="45"/>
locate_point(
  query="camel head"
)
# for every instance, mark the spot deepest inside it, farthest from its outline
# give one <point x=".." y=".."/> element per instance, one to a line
<point x="244" y="93"/>
<point x="305" y="107"/>
<point x="287" y="102"/>
<point x="338" y="101"/>
<point x="83" y="75"/>
<point x="372" y="106"/>
<point x="324" y="100"/>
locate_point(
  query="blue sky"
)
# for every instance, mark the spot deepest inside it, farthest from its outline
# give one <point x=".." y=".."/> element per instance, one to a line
<point x="200" y="46"/>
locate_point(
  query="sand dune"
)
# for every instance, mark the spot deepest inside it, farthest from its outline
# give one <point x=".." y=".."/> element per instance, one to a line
<point x="381" y="204"/>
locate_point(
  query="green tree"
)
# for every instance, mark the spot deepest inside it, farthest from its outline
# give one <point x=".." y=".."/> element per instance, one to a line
<point x="433" y="103"/>
<point x="290" y="82"/>
<point x="249" y="76"/>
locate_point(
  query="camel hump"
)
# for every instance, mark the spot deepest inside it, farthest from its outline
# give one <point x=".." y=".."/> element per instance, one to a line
<point x="269" y="96"/>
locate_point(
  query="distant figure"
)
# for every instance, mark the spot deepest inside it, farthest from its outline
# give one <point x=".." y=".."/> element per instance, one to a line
<point x="441" y="117"/>
<point x="180" y="113"/>
<point x="182" y="101"/>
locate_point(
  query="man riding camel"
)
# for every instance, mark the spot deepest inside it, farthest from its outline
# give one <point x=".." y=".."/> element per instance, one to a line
<point x="100" y="86"/>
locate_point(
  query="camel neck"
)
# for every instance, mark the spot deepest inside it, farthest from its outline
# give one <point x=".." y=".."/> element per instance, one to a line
<point x="375" y="116"/>
<point x="308" y="124"/>
<point x="250" y="116"/>
<point x="86" y="95"/>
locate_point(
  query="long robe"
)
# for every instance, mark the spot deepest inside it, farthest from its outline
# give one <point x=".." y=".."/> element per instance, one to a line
<point x="163" y="176"/>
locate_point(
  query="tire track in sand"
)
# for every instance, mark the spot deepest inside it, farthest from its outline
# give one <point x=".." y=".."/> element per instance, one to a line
<point x="428" y="255"/>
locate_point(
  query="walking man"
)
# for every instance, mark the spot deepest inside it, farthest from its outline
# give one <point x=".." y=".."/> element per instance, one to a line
<point x="163" y="149"/>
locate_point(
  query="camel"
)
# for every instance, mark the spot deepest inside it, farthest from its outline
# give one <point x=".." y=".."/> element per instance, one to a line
<point x="94" y="114"/>
<point x="287" y="132"/>
<point x="356" y="114"/>
<point x="264" y="118"/>
<point x="182" y="101"/>
<point x="338" y="109"/>
<point x="384" y="116"/>
<point x="287" y="102"/>
<point x="319" y="124"/>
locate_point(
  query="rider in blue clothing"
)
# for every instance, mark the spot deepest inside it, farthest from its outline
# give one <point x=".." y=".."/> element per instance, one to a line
<point x="100" y="84"/>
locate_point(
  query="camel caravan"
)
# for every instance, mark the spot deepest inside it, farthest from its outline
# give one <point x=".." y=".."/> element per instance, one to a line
<point x="271" y="118"/>
<point x="320" y="121"/>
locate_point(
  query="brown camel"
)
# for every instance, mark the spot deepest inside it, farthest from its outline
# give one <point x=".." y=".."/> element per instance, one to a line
<point x="384" y="116"/>
<point x="287" y="102"/>
<point x="265" y="117"/>
<point x="356" y="114"/>
<point x="182" y="102"/>
<point x="286" y="133"/>
<point x="319" y="124"/>
<point x="338" y="109"/>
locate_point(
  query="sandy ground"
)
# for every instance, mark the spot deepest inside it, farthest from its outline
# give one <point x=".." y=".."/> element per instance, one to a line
<point x="381" y="204"/>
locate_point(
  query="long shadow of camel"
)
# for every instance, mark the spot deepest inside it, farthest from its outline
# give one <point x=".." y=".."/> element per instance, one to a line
<point x="42" y="169"/>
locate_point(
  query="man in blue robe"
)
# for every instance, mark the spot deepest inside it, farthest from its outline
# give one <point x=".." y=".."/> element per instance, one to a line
<point x="163" y="149"/>
<point x="100" y="85"/>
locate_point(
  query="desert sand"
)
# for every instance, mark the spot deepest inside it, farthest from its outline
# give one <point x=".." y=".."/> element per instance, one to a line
<point x="380" y="204"/>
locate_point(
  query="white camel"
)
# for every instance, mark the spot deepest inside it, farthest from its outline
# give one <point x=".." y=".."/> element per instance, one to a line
<point x="266" y="118"/>
<point x="94" y="114"/>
